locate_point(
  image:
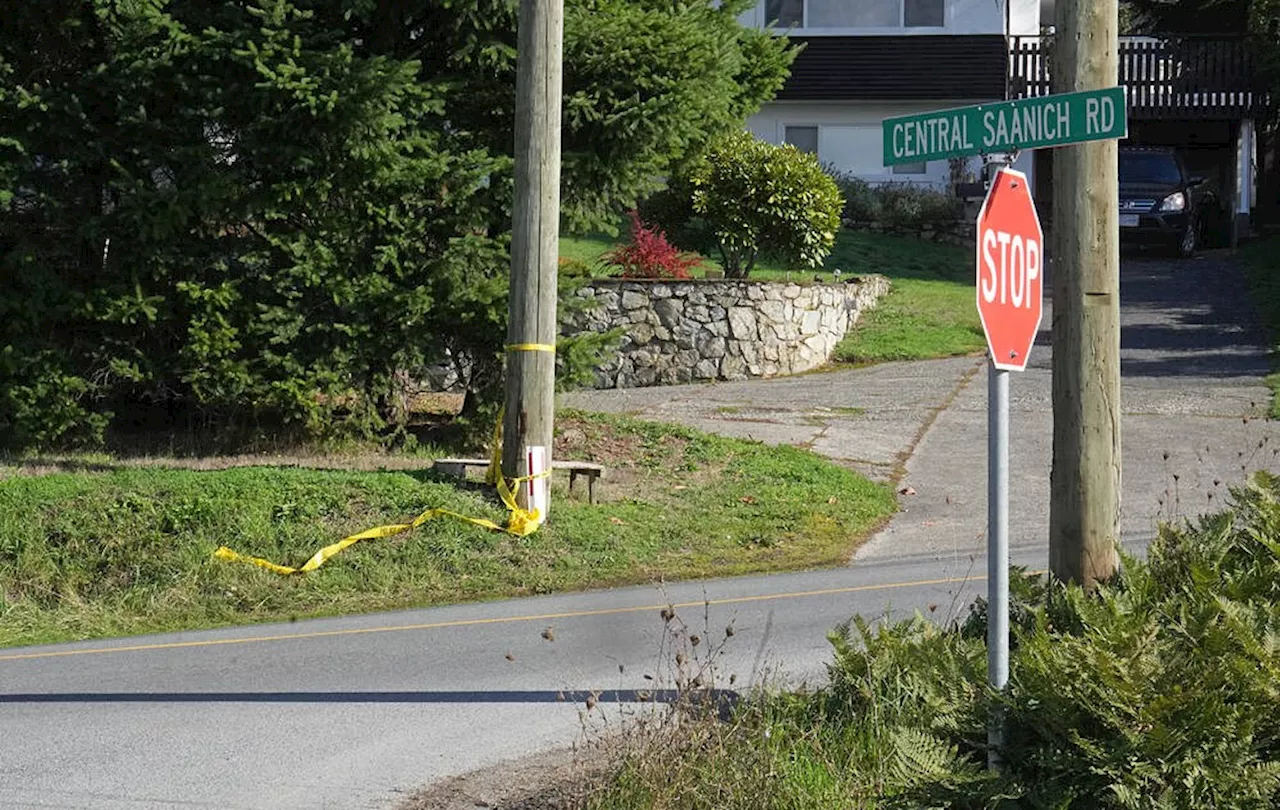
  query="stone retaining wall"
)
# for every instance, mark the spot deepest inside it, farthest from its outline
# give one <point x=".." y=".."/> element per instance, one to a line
<point x="680" y="331"/>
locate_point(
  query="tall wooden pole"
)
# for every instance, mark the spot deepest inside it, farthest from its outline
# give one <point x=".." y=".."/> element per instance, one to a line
<point x="535" y="232"/>
<point x="1084" y="509"/>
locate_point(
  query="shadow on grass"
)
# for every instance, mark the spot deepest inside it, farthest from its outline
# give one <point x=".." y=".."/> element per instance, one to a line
<point x="71" y="464"/>
<point x="67" y="465"/>
<point x="900" y="258"/>
<point x="430" y="475"/>
<point x="424" y="474"/>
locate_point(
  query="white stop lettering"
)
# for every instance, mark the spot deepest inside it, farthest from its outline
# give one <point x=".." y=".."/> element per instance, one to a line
<point x="1010" y="274"/>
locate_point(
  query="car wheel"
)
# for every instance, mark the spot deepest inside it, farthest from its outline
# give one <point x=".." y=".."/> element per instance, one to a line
<point x="1189" y="241"/>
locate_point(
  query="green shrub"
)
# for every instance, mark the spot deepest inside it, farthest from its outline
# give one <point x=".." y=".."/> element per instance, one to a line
<point x="648" y="255"/>
<point x="570" y="267"/>
<point x="1160" y="690"/>
<point x="757" y="198"/>
<point x="671" y="210"/>
<point x="861" y="200"/>
<point x="1163" y="690"/>
<point x="269" y="214"/>
<point x="898" y="204"/>
<point x="908" y="206"/>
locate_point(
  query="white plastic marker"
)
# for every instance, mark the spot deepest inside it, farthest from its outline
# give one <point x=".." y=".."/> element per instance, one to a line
<point x="539" y="491"/>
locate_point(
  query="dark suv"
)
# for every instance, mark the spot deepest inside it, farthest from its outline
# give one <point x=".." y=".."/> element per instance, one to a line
<point x="1160" y="203"/>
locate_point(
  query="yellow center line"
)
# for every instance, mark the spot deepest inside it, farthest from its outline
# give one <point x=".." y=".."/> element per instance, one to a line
<point x="537" y="617"/>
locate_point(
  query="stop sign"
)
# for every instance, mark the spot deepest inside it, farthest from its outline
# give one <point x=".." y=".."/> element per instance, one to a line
<point x="1010" y="270"/>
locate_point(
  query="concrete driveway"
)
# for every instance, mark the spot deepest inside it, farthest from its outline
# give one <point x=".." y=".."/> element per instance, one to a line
<point x="1192" y="360"/>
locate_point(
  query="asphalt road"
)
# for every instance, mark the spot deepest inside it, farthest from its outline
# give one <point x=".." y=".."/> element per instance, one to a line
<point x="352" y="713"/>
<point x="355" y="712"/>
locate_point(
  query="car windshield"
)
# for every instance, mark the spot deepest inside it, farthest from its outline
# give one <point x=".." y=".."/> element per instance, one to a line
<point x="1152" y="167"/>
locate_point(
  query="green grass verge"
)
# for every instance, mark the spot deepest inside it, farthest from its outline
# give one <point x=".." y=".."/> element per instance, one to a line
<point x="588" y="249"/>
<point x="929" y="312"/>
<point x="124" y="551"/>
<point x="1262" y="268"/>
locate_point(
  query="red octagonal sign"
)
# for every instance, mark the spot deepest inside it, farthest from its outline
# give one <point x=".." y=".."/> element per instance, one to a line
<point x="1010" y="270"/>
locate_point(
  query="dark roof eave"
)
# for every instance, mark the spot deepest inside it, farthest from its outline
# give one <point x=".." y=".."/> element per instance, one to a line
<point x="907" y="68"/>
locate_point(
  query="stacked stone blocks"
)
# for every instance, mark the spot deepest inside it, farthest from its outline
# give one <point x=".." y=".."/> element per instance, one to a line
<point x="682" y="331"/>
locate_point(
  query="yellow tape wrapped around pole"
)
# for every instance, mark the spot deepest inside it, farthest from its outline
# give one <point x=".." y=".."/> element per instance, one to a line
<point x="520" y="523"/>
<point x="531" y="347"/>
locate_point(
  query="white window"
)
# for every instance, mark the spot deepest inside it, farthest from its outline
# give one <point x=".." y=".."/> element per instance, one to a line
<point x="924" y="13"/>
<point x="785" y="13"/>
<point x="859" y="14"/>
<point x="803" y="138"/>
<point x="855" y="149"/>
<point x="856" y="13"/>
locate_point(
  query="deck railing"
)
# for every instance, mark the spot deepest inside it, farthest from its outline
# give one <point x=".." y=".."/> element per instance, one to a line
<point x="1183" y="77"/>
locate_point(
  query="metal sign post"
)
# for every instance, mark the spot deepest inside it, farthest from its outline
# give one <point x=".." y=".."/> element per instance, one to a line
<point x="997" y="529"/>
<point x="997" y="549"/>
<point x="1010" y="281"/>
<point x="1010" y="290"/>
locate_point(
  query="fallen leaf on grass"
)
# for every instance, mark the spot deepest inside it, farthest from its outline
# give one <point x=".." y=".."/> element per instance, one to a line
<point x="616" y="521"/>
<point x="832" y="501"/>
<point x="747" y="499"/>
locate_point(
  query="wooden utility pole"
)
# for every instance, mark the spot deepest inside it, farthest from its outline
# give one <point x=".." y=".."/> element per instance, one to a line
<point x="535" y="232"/>
<point x="1084" y="510"/>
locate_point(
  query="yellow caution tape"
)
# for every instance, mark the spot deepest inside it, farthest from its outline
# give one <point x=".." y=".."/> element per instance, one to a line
<point x="531" y="347"/>
<point x="520" y="523"/>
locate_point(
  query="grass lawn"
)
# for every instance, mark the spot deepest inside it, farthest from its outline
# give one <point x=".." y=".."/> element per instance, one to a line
<point x="929" y="312"/>
<point x="588" y="248"/>
<point x="115" y="550"/>
<point x="1262" y="265"/>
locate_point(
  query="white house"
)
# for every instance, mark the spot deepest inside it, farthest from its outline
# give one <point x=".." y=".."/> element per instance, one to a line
<point x="866" y="60"/>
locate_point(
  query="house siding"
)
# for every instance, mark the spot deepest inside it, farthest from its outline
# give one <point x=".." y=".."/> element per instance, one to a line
<point x="846" y="81"/>
<point x="963" y="17"/>
<point x="849" y="136"/>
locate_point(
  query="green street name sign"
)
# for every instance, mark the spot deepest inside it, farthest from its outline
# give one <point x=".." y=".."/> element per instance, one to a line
<point x="1005" y="126"/>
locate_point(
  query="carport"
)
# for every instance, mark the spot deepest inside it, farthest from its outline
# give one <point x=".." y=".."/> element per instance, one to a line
<point x="1198" y="94"/>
